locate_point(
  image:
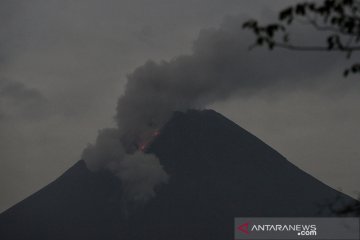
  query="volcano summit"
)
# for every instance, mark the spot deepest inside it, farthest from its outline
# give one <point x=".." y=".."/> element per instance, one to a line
<point x="217" y="171"/>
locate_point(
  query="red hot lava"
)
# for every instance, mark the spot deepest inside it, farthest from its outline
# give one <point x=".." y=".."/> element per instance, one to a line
<point x="147" y="139"/>
<point x="156" y="133"/>
<point x="142" y="146"/>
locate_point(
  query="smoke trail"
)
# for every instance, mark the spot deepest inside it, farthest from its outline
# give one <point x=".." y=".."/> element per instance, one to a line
<point x="219" y="66"/>
<point x="140" y="173"/>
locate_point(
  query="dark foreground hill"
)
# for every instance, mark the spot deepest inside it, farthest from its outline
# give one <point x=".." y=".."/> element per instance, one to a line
<point x="217" y="170"/>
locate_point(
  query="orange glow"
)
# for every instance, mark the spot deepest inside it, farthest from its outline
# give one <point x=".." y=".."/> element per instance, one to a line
<point x="156" y="133"/>
<point x="142" y="147"/>
<point x="147" y="139"/>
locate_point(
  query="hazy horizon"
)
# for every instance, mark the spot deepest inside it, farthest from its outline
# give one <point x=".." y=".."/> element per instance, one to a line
<point x="64" y="64"/>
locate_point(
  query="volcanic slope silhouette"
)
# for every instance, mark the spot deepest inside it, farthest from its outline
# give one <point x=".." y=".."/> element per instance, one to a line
<point x="217" y="171"/>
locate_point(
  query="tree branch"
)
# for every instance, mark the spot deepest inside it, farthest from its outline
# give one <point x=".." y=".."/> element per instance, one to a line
<point x="314" y="48"/>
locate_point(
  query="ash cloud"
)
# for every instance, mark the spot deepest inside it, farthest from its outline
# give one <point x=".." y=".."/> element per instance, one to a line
<point x="140" y="173"/>
<point x="219" y="67"/>
<point x="19" y="100"/>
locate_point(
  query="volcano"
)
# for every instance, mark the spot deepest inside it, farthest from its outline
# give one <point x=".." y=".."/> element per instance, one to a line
<point x="217" y="171"/>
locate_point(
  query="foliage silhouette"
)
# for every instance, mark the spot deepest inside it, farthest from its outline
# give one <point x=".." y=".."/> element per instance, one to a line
<point x="339" y="20"/>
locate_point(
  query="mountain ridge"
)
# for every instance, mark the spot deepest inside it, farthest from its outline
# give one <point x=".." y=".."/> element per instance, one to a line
<point x="217" y="171"/>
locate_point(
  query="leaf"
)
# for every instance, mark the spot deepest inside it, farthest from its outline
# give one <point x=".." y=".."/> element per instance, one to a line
<point x="286" y="14"/>
<point x="260" y="41"/>
<point x="250" y="24"/>
<point x="330" y="42"/>
<point x="271" y="45"/>
<point x="300" y="9"/>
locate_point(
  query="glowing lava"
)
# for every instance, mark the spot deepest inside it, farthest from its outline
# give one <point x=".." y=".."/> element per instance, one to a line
<point x="156" y="133"/>
<point x="142" y="146"/>
<point x="147" y="139"/>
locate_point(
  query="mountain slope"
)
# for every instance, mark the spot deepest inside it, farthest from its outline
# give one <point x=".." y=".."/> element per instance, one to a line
<point x="217" y="170"/>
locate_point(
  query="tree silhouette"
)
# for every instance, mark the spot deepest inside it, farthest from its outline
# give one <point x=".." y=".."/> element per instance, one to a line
<point x="338" y="20"/>
<point x="338" y="207"/>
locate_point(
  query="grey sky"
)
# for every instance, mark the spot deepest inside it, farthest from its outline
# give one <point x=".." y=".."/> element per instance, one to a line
<point x="64" y="63"/>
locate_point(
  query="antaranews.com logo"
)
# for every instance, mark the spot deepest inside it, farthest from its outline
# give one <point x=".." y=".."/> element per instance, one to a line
<point x="301" y="230"/>
<point x="297" y="228"/>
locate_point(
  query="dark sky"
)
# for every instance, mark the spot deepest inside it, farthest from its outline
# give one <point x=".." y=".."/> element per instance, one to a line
<point x="63" y="64"/>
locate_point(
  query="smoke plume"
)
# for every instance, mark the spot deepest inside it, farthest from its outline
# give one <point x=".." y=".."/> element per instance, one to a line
<point x="219" y="66"/>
